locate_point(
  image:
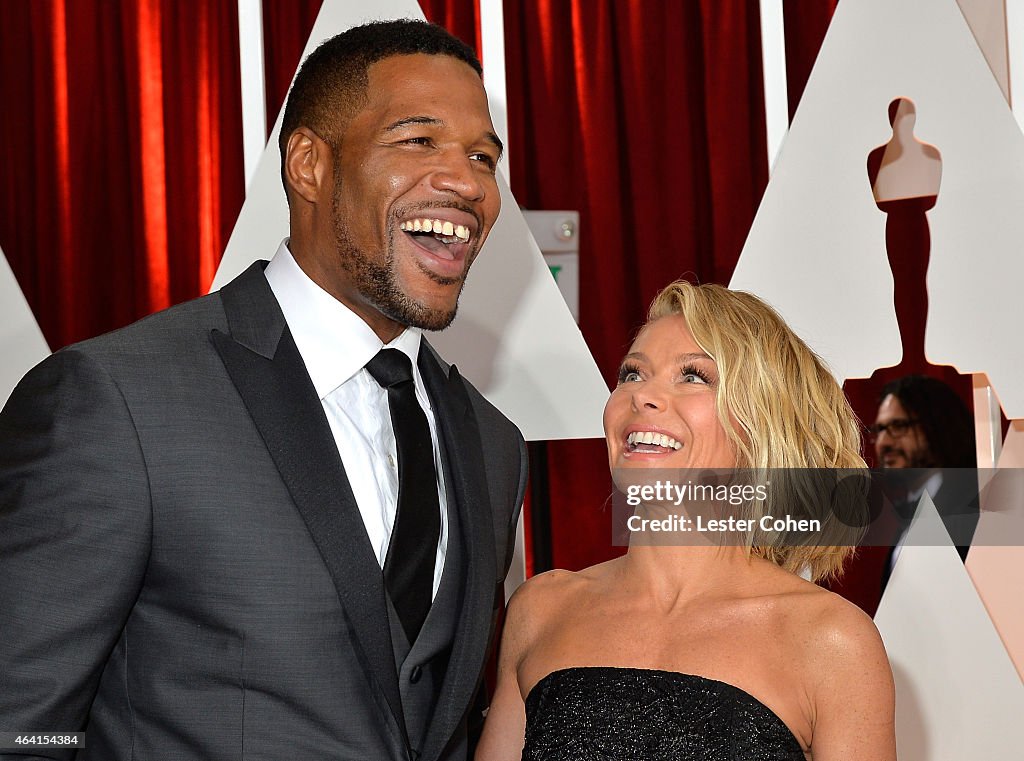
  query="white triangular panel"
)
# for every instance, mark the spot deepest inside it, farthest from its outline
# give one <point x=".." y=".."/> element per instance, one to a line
<point x="957" y="693"/>
<point x="817" y="246"/>
<point x="21" y="342"/>
<point x="514" y="336"/>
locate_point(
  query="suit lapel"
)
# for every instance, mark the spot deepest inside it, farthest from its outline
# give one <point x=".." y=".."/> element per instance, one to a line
<point x="462" y="443"/>
<point x="265" y="365"/>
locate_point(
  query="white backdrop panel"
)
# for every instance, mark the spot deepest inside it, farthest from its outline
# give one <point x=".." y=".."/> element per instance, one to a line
<point x="958" y="695"/>
<point x="817" y="246"/>
<point x="514" y="336"/>
<point x="21" y="342"/>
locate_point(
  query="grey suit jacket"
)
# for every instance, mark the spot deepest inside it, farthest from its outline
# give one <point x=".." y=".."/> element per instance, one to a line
<point x="184" y="573"/>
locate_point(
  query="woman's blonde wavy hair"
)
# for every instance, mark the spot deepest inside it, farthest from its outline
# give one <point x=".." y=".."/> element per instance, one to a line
<point x="779" y="405"/>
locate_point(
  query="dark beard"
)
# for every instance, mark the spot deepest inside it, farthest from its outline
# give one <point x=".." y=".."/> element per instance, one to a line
<point x="923" y="460"/>
<point x="376" y="282"/>
<point x="920" y="460"/>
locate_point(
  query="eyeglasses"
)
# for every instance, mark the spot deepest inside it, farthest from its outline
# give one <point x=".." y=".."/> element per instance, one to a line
<point x="896" y="428"/>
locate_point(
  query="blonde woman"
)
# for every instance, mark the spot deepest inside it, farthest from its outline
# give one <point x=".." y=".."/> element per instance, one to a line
<point x="705" y="652"/>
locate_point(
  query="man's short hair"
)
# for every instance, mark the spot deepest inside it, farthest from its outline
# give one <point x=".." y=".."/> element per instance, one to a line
<point x="944" y="419"/>
<point x="331" y="84"/>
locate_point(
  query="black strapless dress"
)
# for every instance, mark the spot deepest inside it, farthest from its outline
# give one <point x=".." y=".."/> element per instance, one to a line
<point x="591" y="713"/>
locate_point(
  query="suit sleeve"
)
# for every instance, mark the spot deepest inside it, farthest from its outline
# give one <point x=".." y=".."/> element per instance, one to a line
<point x="75" y="521"/>
<point x="517" y="504"/>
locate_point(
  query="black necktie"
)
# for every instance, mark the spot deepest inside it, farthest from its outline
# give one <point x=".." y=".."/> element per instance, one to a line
<point x="409" y="566"/>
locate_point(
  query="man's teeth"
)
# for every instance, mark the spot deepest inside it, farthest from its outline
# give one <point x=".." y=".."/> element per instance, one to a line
<point x="649" y="437"/>
<point x="437" y="227"/>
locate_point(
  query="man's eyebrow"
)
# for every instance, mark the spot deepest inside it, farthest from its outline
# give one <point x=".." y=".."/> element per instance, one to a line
<point x="432" y="121"/>
<point x="405" y="122"/>
<point x="496" y="142"/>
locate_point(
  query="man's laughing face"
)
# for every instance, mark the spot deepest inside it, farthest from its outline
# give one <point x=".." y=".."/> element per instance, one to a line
<point x="414" y="193"/>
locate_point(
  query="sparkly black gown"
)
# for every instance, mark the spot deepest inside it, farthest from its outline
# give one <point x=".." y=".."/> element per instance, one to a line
<point x="597" y="713"/>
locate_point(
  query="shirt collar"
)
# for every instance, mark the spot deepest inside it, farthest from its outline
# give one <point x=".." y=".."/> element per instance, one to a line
<point x="931" y="485"/>
<point x="334" y="342"/>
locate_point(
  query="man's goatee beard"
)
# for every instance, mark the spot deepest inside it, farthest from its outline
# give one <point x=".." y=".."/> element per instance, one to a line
<point x="377" y="284"/>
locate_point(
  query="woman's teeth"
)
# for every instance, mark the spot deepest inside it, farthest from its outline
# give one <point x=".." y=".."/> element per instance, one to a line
<point x="649" y="437"/>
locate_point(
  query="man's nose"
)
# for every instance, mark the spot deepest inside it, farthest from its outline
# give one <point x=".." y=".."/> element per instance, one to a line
<point x="461" y="175"/>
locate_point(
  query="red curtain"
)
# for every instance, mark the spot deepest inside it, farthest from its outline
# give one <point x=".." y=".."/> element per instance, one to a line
<point x="120" y="158"/>
<point x="460" y="17"/>
<point x="287" y="24"/>
<point x="805" y="22"/>
<point x="286" y="28"/>
<point x="648" y="118"/>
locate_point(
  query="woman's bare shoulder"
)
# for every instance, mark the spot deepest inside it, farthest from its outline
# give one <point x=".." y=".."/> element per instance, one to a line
<point x="553" y="589"/>
<point x="837" y="627"/>
<point x="849" y="681"/>
<point x="822" y="626"/>
<point x="838" y="643"/>
<point x="541" y="600"/>
<point x="836" y="656"/>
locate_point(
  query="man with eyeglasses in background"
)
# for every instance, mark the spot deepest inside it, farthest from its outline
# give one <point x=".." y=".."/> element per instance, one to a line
<point x="923" y="426"/>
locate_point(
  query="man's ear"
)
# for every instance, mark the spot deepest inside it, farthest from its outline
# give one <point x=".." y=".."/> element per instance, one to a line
<point x="307" y="161"/>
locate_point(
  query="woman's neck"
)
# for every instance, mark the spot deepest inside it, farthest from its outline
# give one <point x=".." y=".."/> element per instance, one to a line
<point x="673" y="576"/>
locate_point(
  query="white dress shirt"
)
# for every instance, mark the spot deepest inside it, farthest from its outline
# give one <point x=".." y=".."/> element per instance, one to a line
<point x="335" y="345"/>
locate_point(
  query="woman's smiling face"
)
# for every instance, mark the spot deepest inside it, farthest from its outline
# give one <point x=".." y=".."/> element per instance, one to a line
<point x="662" y="413"/>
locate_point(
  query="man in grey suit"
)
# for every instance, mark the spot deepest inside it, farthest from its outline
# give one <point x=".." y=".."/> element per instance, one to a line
<point x="200" y="513"/>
